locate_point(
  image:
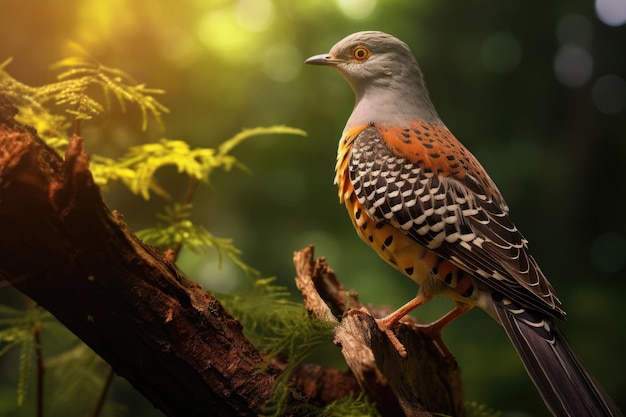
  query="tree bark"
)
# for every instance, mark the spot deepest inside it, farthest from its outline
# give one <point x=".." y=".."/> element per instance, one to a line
<point x="61" y="246"/>
<point x="417" y="385"/>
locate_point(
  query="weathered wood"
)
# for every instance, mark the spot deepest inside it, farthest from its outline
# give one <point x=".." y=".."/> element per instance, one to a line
<point x="420" y="384"/>
<point x="61" y="246"/>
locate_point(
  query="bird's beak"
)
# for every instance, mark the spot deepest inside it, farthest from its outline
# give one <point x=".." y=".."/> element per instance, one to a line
<point x="323" y="59"/>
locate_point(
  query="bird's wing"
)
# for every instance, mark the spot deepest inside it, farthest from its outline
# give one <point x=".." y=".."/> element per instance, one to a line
<point x="425" y="183"/>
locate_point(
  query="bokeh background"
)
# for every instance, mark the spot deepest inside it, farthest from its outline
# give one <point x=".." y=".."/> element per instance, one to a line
<point x="536" y="90"/>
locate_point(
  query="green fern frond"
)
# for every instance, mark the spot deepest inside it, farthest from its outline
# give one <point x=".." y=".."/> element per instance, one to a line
<point x="72" y="92"/>
<point x="19" y="333"/>
<point x="32" y="112"/>
<point x="358" y="406"/>
<point x="289" y="329"/>
<point x="273" y="322"/>
<point x="10" y="84"/>
<point x="145" y="160"/>
<point x="227" y="146"/>
<point x="178" y="230"/>
<point x="22" y="338"/>
<point x="76" y="377"/>
<point x="148" y="104"/>
<point x="20" y="318"/>
<point x="277" y="325"/>
<point x="10" y="338"/>
<point x="137" y="168"/>
<point x="105" y="170"/>
<point x="27" y="353"/>
<point x="79" y="73"/>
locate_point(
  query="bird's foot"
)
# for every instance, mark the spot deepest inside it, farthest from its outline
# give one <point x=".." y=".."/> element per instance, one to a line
<point x="431" y="331"/>
<point x="386" y="326"/>
<point x="392" y="337"/>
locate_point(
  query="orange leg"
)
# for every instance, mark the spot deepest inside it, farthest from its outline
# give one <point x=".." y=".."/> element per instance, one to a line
<point x="432" y="330"/>
<point x="392" y="319"/>
<point x="386" y="324"/>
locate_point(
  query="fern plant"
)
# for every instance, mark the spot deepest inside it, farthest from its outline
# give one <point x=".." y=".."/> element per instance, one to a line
<point x="137" y="168"/>
<point x="82" y="72"/>
<point x="18" y="329"/>
<point x="72" y="93"/>
<point x="57" y="110"/>
<point x="85" y="89"/>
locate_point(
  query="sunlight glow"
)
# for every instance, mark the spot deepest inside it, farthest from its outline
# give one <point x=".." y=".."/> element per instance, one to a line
<point x="177" y="45"/>
<point x="356" y="9"/>
<point x="254" y="15"/>
<point x="219" y="31"/>
<point x="104" y="18"/>
<point x="283" y="62"/>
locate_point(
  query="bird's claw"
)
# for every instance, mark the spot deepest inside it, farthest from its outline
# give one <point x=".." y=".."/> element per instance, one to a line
<point x="432" y="333"/>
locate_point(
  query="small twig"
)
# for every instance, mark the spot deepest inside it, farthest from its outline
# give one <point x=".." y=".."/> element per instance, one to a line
<point x="104" y="393"/>
<point x="77" y="126"/>
<point x="192" y="187"/>
<point x="41" y="369"/>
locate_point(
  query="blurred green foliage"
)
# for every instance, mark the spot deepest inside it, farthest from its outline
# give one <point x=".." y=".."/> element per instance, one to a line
<point x="532" y="89"/>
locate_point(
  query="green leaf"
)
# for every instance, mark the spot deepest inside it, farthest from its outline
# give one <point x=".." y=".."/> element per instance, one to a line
<point x="138" y="167"/>
<point x="74" y="94"/>
<point x="358" y="406"/>
<point x="277" y="325"/>
<point x="26" y="359"/>
<point x="177" y="230"/>
<point x="76" y="377"/>
<point x="227" y="146"/>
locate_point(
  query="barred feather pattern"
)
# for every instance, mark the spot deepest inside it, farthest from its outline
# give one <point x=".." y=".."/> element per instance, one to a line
<point x="398" y="199"/>
<point x="438" y="195"/>
<point x="424" y="203"/>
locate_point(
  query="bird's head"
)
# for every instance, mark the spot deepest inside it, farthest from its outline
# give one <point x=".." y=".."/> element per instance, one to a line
<point x="384" y="76"/>
<point x="370" y="58"/>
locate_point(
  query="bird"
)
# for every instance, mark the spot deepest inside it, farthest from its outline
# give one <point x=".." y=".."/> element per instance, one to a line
<point x="426" y="205"/>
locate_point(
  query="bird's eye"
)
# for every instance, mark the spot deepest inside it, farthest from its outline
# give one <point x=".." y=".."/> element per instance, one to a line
<point x="361" y="53"/>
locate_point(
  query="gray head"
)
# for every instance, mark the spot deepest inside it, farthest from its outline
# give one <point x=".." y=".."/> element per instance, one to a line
<point x="384" y="76"/>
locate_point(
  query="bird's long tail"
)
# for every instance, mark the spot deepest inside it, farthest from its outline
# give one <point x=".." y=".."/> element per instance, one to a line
<point x="565" y="383"/>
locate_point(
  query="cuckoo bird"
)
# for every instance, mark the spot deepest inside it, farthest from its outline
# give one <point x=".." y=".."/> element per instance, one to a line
<point x="425" y="204"/>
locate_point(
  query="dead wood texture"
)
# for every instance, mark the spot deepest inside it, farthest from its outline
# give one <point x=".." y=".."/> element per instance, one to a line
<point x="62" y="247"/>
<point x="411" y="385"/>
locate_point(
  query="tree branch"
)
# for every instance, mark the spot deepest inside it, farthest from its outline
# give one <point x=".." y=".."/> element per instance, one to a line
<point x="422" y="381"/>
<point x="61" y="246"/>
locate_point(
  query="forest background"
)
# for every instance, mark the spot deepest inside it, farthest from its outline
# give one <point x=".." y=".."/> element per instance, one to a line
<point x="537" y="92"/>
